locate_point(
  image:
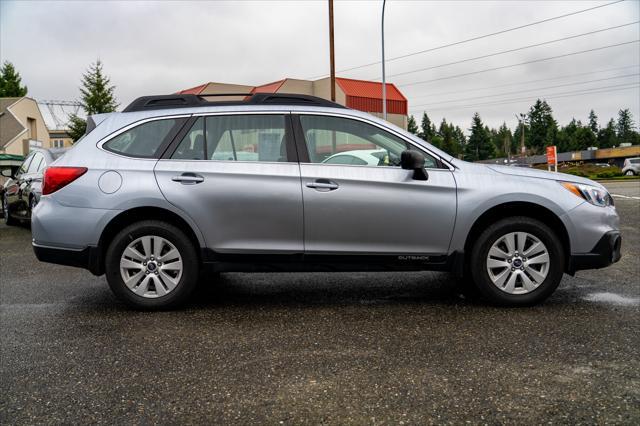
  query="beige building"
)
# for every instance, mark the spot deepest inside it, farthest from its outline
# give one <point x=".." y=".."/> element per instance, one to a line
<point x="60" y="139"/>
<point x="22" y="126"/>
<point x="362" y="95"/>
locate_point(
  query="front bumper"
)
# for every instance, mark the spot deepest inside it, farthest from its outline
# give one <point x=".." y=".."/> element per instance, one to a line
<point x="604" y="253"/>
<point x="87" y="258"/>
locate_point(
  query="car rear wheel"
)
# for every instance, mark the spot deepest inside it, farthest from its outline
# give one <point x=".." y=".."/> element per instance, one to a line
<point x="517" y="261"/>
<point x="152" y="265"/>
<point x="8" y="220"/>
<point x="629" y="173"/>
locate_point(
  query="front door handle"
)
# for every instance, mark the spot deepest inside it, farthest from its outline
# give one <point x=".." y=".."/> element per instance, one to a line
<point x="188" y="178"/>
<point x="323" y="185"/>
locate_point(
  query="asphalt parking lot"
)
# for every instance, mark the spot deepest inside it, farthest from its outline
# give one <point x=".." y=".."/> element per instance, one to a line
<point x="320" y="348"/>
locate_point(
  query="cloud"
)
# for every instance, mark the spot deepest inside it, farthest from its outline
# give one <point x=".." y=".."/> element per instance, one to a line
<point x="164" y="46"/>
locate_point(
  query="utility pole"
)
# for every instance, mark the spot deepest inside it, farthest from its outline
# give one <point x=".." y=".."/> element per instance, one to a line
<point x="523" y="149"/>
<point x="507" y="148"/>
<point x="331" y="53"/>
<point x="384" y="80"/>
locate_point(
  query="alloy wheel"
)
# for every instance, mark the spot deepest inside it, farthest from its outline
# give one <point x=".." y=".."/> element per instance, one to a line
<point x="518" y="263"/>
<point x="151" y="266"/>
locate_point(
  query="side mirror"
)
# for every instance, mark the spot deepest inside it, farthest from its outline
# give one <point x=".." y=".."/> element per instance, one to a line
<point x="413" y="160"/>
<point x="7" y="173"/>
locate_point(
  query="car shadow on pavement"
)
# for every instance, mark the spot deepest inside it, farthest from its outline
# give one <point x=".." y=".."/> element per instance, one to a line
<point x="326" y="289"/>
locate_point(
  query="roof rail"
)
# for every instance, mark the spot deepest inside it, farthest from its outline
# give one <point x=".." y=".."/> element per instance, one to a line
<point x="148" y="103"/>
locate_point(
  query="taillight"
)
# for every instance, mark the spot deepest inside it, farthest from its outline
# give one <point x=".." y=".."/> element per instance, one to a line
<point x="59" y="177"/>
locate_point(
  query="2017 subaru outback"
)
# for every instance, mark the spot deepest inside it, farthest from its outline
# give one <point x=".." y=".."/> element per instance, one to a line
<point x="177" y="185"/>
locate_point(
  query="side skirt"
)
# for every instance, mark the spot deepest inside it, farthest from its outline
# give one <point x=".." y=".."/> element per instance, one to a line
<point x="299" y="262"/>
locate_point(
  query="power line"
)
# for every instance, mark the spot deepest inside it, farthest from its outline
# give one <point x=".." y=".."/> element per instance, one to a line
<point x="475" y="38"/>
<point x="520" y="63"/>
<point x="530" y="90"/>
<point x="604" y="89"/>
<point x="511" y="50"/>
<point x="524" y="82"/>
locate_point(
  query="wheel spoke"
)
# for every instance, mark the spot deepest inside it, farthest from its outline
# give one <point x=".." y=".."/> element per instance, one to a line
<point x="146" y="245"/>
<point x="493" y="263"/>
<point x="538" y="277"/>
<point x="160" y="290"/>
<point x="543" y="258"/>
<point x="143" y="287"/>
<point x="133" y="280"/>
<point x="509" y="240"/>
<point x="169" y="281"/>
<point x="170" y="255"/>
<point x="134" y="254"/>
<point x="128" y="264"/>
<point x="497" y="252"/>
<point x="511" y="283"/>
<point x="157" y="246"/>
<point x="501" y="277"/>
<point x="536" y="248"/>
<point x="522" y="240"/>
<point x="527" y="283"/>
<point x="174" y="266"/>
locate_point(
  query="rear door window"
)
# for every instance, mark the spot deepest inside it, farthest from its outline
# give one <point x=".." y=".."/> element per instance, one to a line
<point x="142" y="141"/>
<point x="249" y="137"/>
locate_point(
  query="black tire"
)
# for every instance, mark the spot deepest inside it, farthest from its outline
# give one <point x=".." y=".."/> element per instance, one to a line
<point x="480" y="251"/>
<point x="8" y="220"/>
<point x="175" y="236"/>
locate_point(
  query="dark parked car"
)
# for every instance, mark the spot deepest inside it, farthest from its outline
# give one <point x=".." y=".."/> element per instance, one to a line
<point x="22" y="191"/>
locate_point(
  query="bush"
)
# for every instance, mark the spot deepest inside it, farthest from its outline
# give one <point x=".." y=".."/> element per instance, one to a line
<point x="609" y="172"/>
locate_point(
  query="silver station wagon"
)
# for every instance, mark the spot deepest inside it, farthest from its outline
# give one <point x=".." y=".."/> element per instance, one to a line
<point x="176" y="188"/>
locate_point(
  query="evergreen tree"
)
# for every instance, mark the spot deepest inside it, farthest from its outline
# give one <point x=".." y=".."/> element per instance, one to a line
<point x="479" y="146"/>
<point x="97" y="98"/>
<point x="460" y="141"/>
<point x="428" y="129"/>
<point x="593" y="122"/>
<point x="607" y="135"/>
<point x="584" y="139"/>
<point x="446" y="132"/>
<point x="502" y="141"/>
<point x="412" y="126"/>
<point x="10" y="82"/>
<point x="624" y="128"/>
<point x="543" y="127"/>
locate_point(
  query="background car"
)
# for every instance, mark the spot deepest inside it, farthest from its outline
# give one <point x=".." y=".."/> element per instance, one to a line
<point x="368" y="157"/>
<point x="631" y="166"/>
<point x="22" y="191"/>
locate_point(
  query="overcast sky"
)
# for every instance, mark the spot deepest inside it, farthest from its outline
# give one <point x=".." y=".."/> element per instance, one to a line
<point x="164" y="46"/>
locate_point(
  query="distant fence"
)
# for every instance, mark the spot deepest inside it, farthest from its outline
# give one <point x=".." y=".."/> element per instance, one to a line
<point x="604" y="155"/>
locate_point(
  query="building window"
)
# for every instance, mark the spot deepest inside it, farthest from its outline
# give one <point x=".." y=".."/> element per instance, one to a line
<point x="58" y="143"/>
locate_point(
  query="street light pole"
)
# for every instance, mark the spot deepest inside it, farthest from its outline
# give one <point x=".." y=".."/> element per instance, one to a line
<point x="384" y="80"/>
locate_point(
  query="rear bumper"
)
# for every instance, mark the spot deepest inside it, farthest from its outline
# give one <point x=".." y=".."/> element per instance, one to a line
<point x="87" y="258"/>
<point x="604" y="253"/>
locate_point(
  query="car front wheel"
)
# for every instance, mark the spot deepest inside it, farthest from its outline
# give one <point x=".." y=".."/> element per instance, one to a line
<point x="8" y="220"/>
<point x="152" y="265"/>
<point x="517" y="261"/>
<point x="629" y="173"/>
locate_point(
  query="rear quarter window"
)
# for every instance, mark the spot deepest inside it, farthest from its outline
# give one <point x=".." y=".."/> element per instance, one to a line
<point x="144" y="140"/>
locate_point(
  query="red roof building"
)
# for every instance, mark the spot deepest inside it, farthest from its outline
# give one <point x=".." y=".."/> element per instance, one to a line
<point x="362" y="95"/>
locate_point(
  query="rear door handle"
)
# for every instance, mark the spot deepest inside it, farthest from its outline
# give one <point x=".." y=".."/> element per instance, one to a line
<point x="188" y="178"/>
<point x="323" y="185"/>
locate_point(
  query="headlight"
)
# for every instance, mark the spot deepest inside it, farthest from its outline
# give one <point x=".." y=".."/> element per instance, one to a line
<point x="594" y="195"/>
